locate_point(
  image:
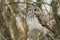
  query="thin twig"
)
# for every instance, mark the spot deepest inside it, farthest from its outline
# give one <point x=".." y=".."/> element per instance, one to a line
<point x="30" y="3"/>
<point x="9" y="6"/>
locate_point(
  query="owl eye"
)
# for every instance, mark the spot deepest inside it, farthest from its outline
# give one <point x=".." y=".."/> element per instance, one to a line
<point x="36" y="9"/>
<point x="30" y="9"/>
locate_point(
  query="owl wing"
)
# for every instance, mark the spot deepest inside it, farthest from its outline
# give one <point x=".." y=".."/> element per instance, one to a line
<point x="43" y="20"/>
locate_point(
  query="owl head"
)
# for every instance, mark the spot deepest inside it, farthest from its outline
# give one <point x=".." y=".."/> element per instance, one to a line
<point x="33" y="9"/>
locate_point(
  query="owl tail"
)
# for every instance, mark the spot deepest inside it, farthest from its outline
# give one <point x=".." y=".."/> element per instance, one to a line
<point x="50" y="37"/>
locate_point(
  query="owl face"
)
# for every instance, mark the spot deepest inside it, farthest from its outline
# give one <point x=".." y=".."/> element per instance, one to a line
<point x="33" y="10"/>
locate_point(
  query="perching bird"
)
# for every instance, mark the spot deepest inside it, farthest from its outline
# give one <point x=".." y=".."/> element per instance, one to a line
<point x="38" y="21"/>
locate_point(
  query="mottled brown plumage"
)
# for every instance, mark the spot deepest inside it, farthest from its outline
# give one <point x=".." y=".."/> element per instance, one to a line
<point x="37" y="20"/>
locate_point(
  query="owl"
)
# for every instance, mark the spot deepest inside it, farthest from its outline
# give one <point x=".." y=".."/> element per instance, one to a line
<point x="37" y="20"/>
